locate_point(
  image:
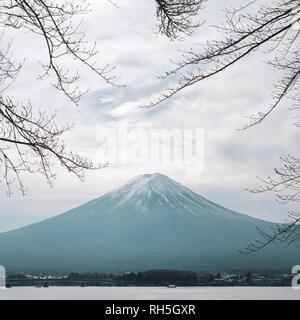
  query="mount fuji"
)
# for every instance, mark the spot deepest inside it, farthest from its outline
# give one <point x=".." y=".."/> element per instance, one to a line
<point x="151" y="222"/>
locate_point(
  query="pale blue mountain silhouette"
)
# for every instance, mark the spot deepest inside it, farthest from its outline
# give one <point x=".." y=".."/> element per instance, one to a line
<point x="151" y="222"/>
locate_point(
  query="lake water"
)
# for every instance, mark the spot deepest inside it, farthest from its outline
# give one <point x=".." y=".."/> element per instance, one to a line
<point x="150" y="293"/>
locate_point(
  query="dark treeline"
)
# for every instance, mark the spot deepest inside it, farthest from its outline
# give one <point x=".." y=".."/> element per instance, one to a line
<point x="149" y="277"/>
<point x="161" y="277"/>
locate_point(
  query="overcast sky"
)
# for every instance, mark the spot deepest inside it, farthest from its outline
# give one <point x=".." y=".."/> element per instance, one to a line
<point x="127" y="38"/>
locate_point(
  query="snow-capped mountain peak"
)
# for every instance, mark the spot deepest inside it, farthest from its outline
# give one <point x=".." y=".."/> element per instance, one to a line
<point x="145" y="185"/>
<point x="158" y="193"/>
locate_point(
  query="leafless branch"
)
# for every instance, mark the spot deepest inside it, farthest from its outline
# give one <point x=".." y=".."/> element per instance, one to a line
<point x="273" y="27"/>
<point x="176" y="17"/>
<point x="30" y="139"/>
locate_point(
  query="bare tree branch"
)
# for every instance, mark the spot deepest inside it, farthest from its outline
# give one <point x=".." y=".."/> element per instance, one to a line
<point x="272" y="28"/>
<point x="54" y="21"/>
<point x="176" y="17"/>
<point x="30" y="139"/>
<point x="36" y="140"/>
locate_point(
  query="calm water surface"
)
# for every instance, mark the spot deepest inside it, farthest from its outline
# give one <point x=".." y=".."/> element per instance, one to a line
<point x="147" y="293"/>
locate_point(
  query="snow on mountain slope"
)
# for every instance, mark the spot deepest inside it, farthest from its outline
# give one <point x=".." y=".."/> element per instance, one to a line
<point x="151" y="192"/>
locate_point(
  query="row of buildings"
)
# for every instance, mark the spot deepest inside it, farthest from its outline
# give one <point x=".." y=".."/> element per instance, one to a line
<point x="159" y="278"/>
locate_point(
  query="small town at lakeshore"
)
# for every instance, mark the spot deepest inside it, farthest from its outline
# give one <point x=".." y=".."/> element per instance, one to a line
<point x="278" y="278"/>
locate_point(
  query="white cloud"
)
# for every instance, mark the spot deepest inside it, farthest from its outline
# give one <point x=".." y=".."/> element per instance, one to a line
<point x="125" y="109"/>
<point x="107" y="99"/>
